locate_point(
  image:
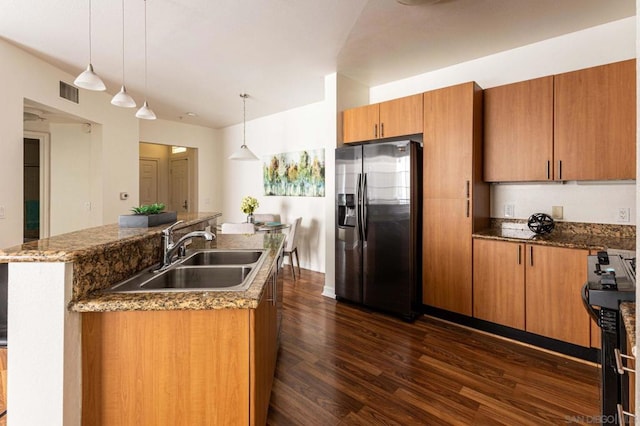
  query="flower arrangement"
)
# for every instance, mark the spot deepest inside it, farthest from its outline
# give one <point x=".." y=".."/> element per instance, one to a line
<point x="249" y="205"/>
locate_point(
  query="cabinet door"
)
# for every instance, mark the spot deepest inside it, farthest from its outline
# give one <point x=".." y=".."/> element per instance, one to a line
<point x="518" y="131"/>
<point x="446" y="266"/>
<point x="595" y="123"/>
<point x="401" y="117"/>
<point x="263" y="353"/>
<point x="448" y="146"/>
<point x="498" y="282"/>
<point x="554" y="279"/>
<point x="361" y="124"/>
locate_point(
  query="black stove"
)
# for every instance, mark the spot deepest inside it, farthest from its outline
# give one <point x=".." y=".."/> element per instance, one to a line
<point x="611" y="280"/>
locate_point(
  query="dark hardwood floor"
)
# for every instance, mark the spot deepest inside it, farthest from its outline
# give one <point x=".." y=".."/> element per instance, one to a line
<point x="343" y="365"/>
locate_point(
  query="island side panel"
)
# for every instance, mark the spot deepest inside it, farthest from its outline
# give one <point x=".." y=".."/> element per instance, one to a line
<point x="165" y="367"/>
<point x="44" y="370"/>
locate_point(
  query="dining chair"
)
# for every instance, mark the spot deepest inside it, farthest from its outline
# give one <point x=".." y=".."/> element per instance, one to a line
<point x="291" y="246"/>
<point x="238" y="228"/>
<point x="266" y="217"/>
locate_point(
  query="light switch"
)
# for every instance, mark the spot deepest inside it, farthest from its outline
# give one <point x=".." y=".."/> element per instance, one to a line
<point x="2" y="212"/>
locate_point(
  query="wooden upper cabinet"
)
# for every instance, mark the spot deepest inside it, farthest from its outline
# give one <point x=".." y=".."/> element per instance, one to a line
<point x="398" y="117"/>
<point x="449" y="141"/>
<point x="360" y="124"/>
<point x="518" y="131"/>
<point x="401" y="117"/>
<point x="595" y="123"/>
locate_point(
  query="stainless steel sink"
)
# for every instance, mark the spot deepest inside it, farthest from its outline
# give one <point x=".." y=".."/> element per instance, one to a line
<point x="222" y="257"/>
<point x="203" y="270"/>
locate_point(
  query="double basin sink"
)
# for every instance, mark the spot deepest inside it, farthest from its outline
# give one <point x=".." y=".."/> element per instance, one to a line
<point x="200" y="270"/>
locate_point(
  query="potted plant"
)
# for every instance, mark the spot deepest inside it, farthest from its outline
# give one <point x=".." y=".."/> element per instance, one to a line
<point x="248" y="206"/>
<point x="147" y="215"/>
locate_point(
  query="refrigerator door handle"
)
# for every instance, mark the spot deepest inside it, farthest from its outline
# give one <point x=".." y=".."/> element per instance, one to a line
<point x="365" y="213"/>
<point x="359" y="207"/>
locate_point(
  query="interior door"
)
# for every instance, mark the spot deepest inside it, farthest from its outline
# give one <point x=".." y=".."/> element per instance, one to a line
<point x="148" y="181"/>
<point x="180" y="186"/>
<point x="31" y="189"/>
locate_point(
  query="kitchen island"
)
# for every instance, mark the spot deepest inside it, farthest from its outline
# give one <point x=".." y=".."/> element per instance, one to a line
<point x="56" y="284"/>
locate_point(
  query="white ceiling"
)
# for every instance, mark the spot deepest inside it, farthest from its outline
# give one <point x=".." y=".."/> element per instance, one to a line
<point x="203" y="53"/>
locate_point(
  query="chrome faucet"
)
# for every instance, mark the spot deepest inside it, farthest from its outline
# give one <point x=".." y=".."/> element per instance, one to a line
<point x="169" y="248"/>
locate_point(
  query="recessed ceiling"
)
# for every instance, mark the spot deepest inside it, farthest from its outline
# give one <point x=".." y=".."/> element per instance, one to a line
<point x="203" y="53"/>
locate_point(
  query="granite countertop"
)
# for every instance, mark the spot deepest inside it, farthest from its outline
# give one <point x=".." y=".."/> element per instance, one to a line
<point x="194" y="300"/>
<point x="628" y="312"/>
<point x="105" y="255"/>
<point x="70" y="246"/>
<point x="566" y="234"/>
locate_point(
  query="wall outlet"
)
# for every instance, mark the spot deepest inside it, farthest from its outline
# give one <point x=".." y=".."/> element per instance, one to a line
<point x="509" y="210"/>
<point x="556" y="212"/>
<point x="87" y="206"/>
<point x="124" y="195"/>
<point x="623" y="214"/>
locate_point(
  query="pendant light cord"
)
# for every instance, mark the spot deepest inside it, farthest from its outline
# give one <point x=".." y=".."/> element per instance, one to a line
<point x="122" y="43"/>
<point x="244" y="119"/>
<point x="145" y="50"/>
<point x="89" y="31"/>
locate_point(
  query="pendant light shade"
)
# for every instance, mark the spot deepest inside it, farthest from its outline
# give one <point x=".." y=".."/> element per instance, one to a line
<point x="88" y="79"/>
<point x="145" y="112"/>
<point x="122" y="98"/>
<point x="244" y="153"/>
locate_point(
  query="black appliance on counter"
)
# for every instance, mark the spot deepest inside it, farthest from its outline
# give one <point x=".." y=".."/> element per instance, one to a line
<point x="611" y="280"/>
<point x="378" y="225"/>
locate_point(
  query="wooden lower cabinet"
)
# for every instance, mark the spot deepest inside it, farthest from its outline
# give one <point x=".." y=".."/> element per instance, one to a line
<point x="191" y="367"/>
<point x="554" y="278"/>
<point x="498" y="282"/>
<point x="533" y="288"/>
<point x="446" y="265"/>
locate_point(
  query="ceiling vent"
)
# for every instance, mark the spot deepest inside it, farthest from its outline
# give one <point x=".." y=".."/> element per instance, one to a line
<point x="69" y="92"/>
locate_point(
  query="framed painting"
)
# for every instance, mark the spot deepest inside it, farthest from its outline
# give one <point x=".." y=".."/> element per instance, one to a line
<point x="299" y="174"/>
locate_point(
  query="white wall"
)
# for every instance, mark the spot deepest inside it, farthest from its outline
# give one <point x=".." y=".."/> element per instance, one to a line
<point x="295" y="130"/>
<point x="114" y="166"/>
<point x="603" y="44"/>
<point x="210" y="156"/>
<point x="70" y="187"/>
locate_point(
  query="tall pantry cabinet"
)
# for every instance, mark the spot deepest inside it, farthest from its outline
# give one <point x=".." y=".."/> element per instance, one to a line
<point x="455" y="199"/>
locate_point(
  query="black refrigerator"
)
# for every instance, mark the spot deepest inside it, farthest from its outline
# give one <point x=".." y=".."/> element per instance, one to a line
<point x="379" y="226"/>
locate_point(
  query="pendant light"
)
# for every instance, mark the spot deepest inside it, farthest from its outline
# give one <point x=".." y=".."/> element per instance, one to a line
<point x="145" y="112"/>
<point x="88" y="79"/>
<point x="244" y="153"/>
<point x="122" y="98"/>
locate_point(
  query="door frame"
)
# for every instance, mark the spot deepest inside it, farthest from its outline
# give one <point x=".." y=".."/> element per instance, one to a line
<point x="45" y="178"/>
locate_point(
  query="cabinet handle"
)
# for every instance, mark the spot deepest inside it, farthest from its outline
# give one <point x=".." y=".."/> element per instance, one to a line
<point x="531" y="255"/>
<point x="548" y="169"/>
<point x="468" y="189"/>
<point x="382" y="130"/>
<point x="375" y="131"/>
<point x="468" y="208"/>
<point x="622" y="414"/>
<point x="519" y="254"/>
<point x="620" y="367"/>
<point x="559" y="169"/>
<point x="275" y="288"/>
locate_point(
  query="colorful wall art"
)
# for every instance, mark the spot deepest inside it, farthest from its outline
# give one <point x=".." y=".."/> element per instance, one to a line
<point x="294" y="173"/>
